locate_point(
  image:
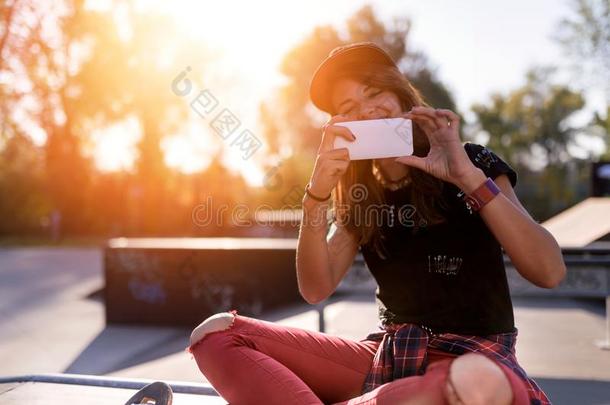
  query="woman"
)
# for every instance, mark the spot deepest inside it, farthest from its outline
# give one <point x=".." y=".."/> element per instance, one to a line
<point x="447" y="330"/>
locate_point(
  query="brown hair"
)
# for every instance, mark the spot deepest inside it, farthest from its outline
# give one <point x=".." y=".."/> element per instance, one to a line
<point x="358" y="189"/>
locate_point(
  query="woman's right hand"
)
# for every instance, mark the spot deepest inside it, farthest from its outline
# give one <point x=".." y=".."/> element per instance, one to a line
<point x="331" y="163"/>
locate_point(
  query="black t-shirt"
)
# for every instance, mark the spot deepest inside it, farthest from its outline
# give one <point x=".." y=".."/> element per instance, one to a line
<point x="449" y="277"/>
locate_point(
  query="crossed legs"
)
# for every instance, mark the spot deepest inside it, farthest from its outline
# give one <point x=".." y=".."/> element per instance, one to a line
<point x="250" y="361"/>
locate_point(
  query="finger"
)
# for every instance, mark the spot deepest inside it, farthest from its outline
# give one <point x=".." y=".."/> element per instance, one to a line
<point x="325" y="143"/>
<point x="332" y="131"/>
<point x="439" y="121"/>
<point x="338" y="118"/>
<point x="333" y="167"/>
<point x="336" y="154"/>
<point x="431" y="114"/>
<point x="423" y="121"/>
<point x="442" y="119"/>
<point x="338" y="167"/>
<point x="335" y="119"/>
<point x="452" y="118"/>
<point x="342" y="131"/>
<point x="413" y="161"/>
<point x="422" y="118"/>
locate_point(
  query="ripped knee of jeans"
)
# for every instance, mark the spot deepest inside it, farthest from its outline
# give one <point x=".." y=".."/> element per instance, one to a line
<point x="475" y="379"/>
<point x="215" y="323"/>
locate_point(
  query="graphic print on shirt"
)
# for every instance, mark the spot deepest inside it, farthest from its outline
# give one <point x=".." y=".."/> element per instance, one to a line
<point x="444" y="264"/>
<point x="485" y="158"/>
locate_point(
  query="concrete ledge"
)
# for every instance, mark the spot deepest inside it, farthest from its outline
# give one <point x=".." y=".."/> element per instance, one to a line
<point x="181" y="281"/>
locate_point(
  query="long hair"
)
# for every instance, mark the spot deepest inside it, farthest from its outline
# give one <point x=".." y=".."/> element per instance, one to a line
<point x="357" y="191"/>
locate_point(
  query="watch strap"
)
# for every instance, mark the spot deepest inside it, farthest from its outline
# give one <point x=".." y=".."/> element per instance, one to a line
<point x="481" y="195"/>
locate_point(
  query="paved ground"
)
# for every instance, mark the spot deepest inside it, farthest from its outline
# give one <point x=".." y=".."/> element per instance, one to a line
<point x="52" y="322"/>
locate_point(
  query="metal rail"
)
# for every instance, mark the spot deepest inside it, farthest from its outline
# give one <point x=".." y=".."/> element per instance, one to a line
<point x="110" y="382"/>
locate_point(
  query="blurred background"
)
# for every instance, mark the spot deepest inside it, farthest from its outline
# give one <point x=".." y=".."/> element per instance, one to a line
<point x="99" y="137"/>
<point x="123" y="119"/>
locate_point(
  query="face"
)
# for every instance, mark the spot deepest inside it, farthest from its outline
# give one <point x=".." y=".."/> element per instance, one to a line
<point x="359" y="101"/>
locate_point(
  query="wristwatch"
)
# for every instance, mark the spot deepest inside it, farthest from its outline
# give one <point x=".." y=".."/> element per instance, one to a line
<point x="481" y="196"/>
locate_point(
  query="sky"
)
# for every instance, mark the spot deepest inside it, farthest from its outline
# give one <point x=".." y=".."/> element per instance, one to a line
<point x="477" y="47"/>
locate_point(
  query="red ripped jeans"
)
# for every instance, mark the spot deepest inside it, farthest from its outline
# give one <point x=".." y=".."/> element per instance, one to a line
<point x="260" y="362"/>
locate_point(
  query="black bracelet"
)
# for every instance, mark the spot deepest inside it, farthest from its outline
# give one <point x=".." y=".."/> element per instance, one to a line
<point x="315" y="197"/>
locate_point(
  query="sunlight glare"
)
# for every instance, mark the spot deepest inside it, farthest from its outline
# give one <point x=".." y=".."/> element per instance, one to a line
<point x="114" y="146"/>
<point x="190" y="151"/>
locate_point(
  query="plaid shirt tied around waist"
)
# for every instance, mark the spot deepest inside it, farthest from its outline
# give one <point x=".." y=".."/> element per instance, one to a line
<point x="403" y="352"/>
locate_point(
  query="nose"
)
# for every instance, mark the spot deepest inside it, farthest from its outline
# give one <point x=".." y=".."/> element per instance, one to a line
<point x="369" y="111"/>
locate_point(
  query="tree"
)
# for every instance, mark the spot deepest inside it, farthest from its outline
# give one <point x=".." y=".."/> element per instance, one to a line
<point x="529" y="125"/>
<point x="529" y="128"/>
<point x="297" y="122"/>
<point x="23" y="204"/>
<point x="43" y="58"/>
<point x="128" y="74"/>
<point x="300" y="63"/>
<point x="88" y="71"/>
<point x="586" y="41"/>
<point x="601" y="127"/>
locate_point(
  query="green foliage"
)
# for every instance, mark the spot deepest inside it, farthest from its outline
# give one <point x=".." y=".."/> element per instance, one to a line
<point x="529" y="128"/>
<point x="84" y="70"/>
<point x="83" y="76"/>
<point x="585" y="38"/>
<point x="21" y="187"/>
<point x="600" y="126"/>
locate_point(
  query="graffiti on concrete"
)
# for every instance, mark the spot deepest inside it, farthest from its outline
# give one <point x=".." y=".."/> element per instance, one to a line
<point x="150" y="292"/>
<point x="221" y="292"/>
<point x="136" y="261"/>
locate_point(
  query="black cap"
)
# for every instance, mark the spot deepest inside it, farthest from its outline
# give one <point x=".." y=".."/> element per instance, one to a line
<point x="358" y="52"/>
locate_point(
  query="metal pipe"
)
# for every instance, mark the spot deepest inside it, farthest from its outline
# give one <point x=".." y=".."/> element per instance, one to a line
<point x="321" y="321"/>
<point x="110" y="382"/>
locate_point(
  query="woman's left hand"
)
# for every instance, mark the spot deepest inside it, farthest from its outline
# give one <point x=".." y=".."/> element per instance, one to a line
<point x="447" y="158"/>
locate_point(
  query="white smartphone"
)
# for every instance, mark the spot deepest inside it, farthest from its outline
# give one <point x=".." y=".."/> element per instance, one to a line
<point x="380" y="138"/>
